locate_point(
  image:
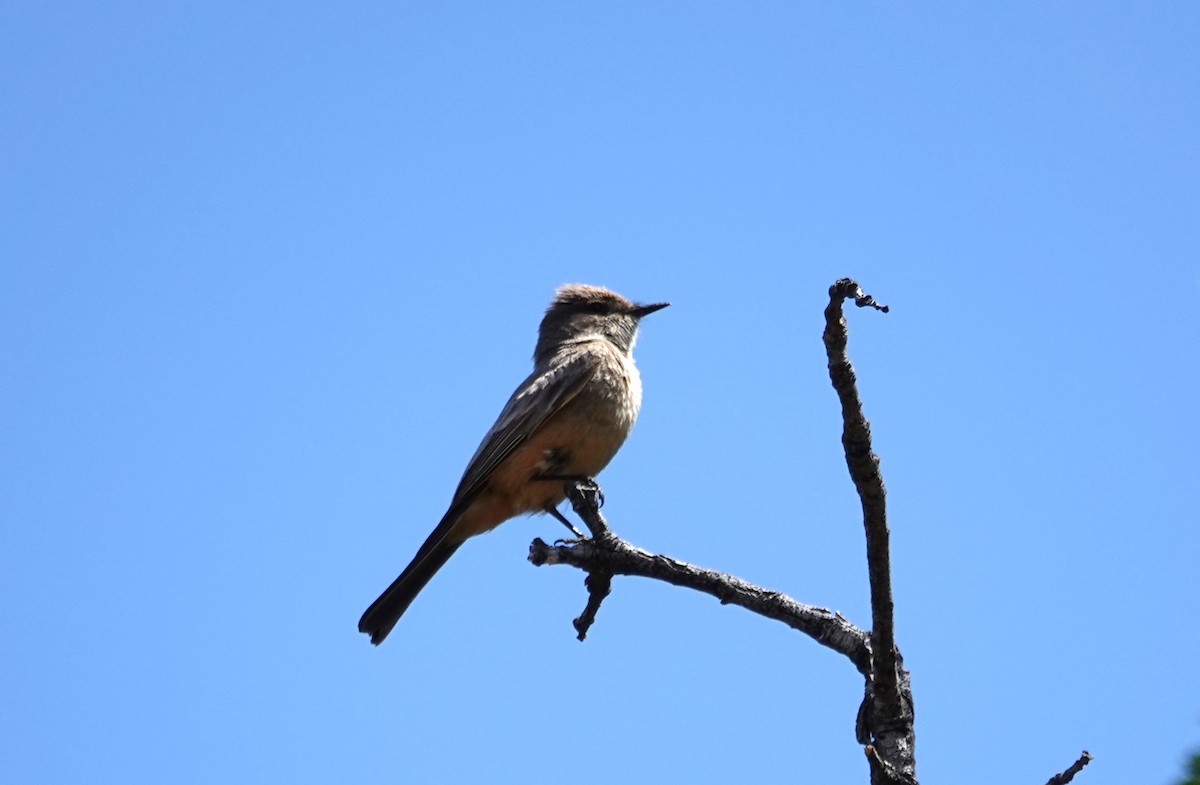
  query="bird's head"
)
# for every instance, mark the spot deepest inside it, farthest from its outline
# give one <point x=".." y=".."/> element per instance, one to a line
<point x="582" y="311"/>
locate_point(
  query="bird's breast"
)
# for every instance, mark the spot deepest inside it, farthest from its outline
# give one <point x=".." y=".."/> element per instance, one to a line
<point x="579" y="440"/>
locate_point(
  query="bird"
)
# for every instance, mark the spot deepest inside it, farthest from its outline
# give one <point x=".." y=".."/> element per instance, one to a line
<point x="566" y="420"/>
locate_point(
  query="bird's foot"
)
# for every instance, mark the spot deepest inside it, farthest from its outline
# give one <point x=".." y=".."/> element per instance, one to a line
<point x="579" y="536"/>
<point x="586" y="483"/>
<point x="589" y="485"/>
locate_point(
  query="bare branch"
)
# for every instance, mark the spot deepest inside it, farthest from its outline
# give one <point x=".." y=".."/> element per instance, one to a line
<point x="599" y="584"/>
<point x="607" y="554"/>
<point x="1069" y="774"/>
<point x="884" y="724"/>
<point x="886" y="716"/>
<point x="864" y="471"/>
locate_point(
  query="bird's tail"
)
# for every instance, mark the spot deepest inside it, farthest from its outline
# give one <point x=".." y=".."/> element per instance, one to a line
<point x="383" y="614"/>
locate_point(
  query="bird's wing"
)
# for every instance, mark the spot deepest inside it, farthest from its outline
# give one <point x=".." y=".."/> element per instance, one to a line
<point x="535" y="401"/>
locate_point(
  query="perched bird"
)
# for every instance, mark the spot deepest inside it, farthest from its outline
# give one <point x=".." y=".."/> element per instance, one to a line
<point x="566" y="420"/>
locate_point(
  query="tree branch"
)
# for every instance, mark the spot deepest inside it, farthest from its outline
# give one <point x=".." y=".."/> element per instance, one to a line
<point x="1069" y="774"/>
<point x="885" y="719"/>
<point x="606" y="554"/>
<point x="864" y="471"/>
<point x="887" y="714"/>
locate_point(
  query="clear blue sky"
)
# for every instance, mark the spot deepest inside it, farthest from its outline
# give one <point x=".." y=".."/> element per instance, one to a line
<point x="268" y="272"/>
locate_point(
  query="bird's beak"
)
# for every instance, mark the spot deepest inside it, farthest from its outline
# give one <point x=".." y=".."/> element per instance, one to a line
<point x="644" y="310"/>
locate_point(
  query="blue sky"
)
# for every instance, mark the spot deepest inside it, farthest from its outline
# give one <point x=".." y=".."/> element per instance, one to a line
<point x="269" y="271"/>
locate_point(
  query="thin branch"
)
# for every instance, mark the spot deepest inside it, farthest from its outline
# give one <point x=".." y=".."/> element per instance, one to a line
<point x="1069" y="774"/>
<point x="606" y="553"/>
<point x="599" y="585"/>
<point x="864" y="471"/>
<point x="886" y="715"/>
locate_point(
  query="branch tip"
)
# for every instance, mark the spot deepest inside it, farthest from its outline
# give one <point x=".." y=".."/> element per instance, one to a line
<point x="848" y="288"/>
<point x="1063" y="778"/>
<point x="599" y="585"/>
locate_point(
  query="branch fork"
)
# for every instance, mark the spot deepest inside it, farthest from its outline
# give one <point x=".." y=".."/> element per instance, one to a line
<point x="884" y="725"/>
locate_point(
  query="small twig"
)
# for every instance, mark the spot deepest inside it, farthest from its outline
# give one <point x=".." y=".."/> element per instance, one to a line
<point x="1069" y="774"/>
<point x="865" y="300"/>
<point x="598" y="584"/>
